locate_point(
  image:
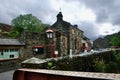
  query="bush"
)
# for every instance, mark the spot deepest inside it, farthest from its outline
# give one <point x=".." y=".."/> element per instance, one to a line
<point x="103" y="62"/>
<point x="11" y="34"/>
<point x="112" y="67"/>
<point x="99" y="65"/>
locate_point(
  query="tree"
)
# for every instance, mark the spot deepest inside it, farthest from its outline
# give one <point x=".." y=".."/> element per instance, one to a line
<point x="27" y="22"/>
<point x="114" y="39"/>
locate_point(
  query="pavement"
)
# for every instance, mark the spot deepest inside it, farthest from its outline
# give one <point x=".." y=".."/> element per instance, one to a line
<point x="6" y="75"/>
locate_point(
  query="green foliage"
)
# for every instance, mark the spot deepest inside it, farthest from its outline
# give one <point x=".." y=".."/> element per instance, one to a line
<point x="118" y="57"/>
<point x="27" y="22"/>
<point x="114" y="39"/>
<point x="107" y="62"/>
<point x="64" y="64"/>
<point x="118" y="62"/>
<point x="100" y="65"/>
<point x="112" y="67"/>
<point x="51" y="64"/>
<point x="11" y="34"/>
<point x="4" y="33"/>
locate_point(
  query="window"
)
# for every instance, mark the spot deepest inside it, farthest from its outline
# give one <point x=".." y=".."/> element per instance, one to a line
<point x="6" y="50"/>
<point x="9" y="53"/>
<point x="11" y="50"/>
<point x="11" y="56"/>
<point x="73" y="32"/>
<point x="16" y="50"/>
<point x="38" y="49"/>
<point x="1" y="52"/>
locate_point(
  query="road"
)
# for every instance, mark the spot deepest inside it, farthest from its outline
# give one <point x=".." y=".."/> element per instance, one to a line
<point x="6" y="75"/>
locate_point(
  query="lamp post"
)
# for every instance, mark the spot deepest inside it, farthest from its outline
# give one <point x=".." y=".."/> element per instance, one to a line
<point x="49" y="33"/>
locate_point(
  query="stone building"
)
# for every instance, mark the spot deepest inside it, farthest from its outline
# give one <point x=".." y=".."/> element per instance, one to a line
<point x="87" y="43"/>
<point x="34" y="44"/>
<point x="10" y="49"/>
<point x="67" y="38"/>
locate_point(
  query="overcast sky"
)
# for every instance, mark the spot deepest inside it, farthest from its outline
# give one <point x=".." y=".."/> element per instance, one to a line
<point x="95" y="17"/>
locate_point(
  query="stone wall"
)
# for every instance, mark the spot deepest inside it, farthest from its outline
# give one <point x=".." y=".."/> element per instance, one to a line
<point x="10" y="64"/>
<point x="89" y="63"/>
<point x="76" y="36"/>
<point x="32" y="39"/>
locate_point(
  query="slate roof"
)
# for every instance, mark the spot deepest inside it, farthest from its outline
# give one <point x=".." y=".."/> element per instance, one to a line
<point x="15" y="42"/>
<point x="60" y="23"/>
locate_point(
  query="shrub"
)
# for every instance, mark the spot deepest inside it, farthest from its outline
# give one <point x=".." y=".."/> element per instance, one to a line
<point x="99" y="65"/>
<point x="112" y="67"/>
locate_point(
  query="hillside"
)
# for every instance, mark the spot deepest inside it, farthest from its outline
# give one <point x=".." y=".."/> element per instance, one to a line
<point x="107" y="41"/>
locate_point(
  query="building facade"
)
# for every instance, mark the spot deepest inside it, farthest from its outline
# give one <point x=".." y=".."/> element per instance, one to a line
<point x="10" y="49"/>
<point x="63" y="39"/>
<point x="86" y="43"/>
<point x="67" y="38"/>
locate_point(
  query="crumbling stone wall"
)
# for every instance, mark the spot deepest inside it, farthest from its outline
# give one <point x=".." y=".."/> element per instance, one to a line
<point x="32" y="39"/>
<point x="10" y="64"/>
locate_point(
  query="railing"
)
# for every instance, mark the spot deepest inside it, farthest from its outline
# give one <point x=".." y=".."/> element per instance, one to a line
<point x="40" y="74"/>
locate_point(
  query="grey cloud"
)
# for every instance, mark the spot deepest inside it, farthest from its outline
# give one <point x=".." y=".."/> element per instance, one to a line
<point x="102" y="16"/>
<point x="105" y="10"/>
<point x="90" y="30"/>
<point x="13" y="8"/>
<point x="115" y="19"/>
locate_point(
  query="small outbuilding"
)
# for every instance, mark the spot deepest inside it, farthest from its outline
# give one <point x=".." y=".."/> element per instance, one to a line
<point x="33" y="63"/>
<point x="10" y="48"/>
